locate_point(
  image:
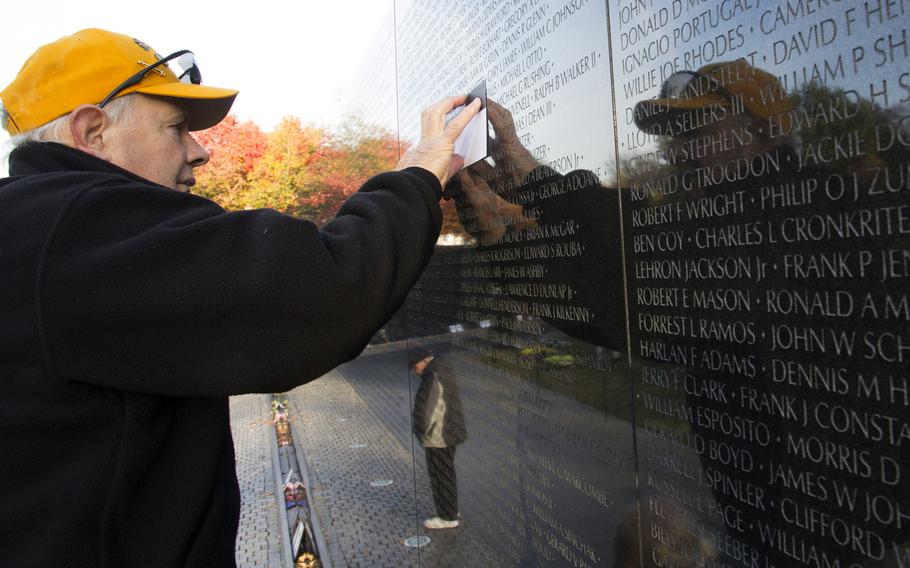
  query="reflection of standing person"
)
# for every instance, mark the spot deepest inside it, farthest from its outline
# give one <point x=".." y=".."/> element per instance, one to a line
<point x="439" y="425"/>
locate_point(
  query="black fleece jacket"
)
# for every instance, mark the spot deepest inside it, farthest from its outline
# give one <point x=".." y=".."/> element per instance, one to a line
<point x="131" y="311"/>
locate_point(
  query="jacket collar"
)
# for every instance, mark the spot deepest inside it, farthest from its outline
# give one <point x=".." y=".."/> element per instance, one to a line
<point x="48" y="157"/>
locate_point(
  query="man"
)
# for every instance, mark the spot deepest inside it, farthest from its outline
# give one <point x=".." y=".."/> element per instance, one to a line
<point x="438" y="422"/>
<point x="131" y="310"/>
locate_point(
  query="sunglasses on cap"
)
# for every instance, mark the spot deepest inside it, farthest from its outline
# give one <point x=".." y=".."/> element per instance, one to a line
<point x="186" y="70"/>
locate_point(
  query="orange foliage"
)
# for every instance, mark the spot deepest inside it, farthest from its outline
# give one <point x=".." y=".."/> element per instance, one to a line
<point x="234" y="149"/>
<point x="297" y="169"/>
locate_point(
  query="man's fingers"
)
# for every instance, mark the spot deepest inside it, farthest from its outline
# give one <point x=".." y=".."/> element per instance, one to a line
<point x="458" y="124"/>
<point x="500" y="118"/>
<point x="432" y="119"/>
<point x="495" y="109"/>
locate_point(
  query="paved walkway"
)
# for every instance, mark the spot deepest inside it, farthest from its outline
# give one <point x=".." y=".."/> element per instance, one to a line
<point x="258" y="540"/>
<point x="542" y="480"/>
<point x="355" y="441"/>
<point x="346" y="455"/>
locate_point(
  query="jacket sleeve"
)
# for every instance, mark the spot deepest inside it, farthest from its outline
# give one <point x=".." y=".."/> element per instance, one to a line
<point x="153" y="291"/>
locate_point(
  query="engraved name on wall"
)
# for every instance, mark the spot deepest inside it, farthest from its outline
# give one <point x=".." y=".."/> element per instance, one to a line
<point x="767" y="227"/>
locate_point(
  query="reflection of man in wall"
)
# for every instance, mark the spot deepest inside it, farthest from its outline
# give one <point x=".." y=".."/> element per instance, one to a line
<point x="715" y="142"/>
<point x="710" y="122"/>
<point x="506" y="202"/>
<point x="516" y="201"/>
<point x="708" y="128"/>
<point x="716" y="114"/>
<point x="724" y="130"/>
<point x="439" y="425"/>
<point x="518" y="193"/>
<point x="724" y="133"/>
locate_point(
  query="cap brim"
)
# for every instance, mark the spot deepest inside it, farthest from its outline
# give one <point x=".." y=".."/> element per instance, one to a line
<point x="652" y="115"/>
<point x="207" y="106"/>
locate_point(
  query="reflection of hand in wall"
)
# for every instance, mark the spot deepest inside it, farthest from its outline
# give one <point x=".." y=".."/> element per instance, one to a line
<point x="571" y="212"/>
<point x="506" y="147"/>
<point x="485" y="214"/>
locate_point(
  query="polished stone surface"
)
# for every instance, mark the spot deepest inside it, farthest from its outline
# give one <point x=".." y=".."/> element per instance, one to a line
<point x="673" y="303"/>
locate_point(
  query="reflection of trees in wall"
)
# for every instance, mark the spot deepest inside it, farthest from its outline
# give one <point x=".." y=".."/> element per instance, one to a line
<point x="235" y="148"/>
<point x="855" y="119"/>
<point x="297" y="169"/>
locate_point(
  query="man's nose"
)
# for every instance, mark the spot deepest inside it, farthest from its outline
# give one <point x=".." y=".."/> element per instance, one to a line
<point x="196" y="155"/>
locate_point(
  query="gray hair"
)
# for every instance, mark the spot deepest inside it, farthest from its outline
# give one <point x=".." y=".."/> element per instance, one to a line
<point x="54" y="131"/>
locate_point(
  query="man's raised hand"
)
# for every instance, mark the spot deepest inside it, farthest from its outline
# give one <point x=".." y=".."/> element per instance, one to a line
<point x="434" y="151"/>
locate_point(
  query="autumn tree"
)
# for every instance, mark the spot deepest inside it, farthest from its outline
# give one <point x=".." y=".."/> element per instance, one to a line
<point x="298" y="169"/>
<point x="234" y="148"/>
<point x="859" y="118"/>
<point x="350" y="156"/>
<point x="286" y="166"/>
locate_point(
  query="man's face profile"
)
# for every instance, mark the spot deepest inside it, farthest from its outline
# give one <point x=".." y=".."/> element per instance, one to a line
<point x="154" y="142"/>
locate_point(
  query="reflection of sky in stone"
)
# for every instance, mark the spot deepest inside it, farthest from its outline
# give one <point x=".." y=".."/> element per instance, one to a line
<point x="579" y="131"/>
<point x="372" y="95"/>
<point x="837" y="44"/>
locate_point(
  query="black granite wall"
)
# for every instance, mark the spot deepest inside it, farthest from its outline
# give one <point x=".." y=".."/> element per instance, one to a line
<point x="675" y="297"/>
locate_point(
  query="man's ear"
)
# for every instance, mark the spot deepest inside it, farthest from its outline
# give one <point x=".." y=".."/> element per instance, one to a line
<point x="87" y="126"/>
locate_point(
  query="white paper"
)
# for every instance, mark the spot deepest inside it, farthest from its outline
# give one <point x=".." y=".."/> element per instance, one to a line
<point x="472" y="144"/>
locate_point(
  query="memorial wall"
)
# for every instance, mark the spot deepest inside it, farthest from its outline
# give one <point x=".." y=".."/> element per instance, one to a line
<point x="671" y="307"/>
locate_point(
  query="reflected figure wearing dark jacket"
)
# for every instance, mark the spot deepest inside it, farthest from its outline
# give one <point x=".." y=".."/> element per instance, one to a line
<point x="708" y="123"/>
<point x="439" y="425"/>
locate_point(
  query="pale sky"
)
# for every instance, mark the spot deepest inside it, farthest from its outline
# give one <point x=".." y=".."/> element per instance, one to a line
<point x="287" y="57"/>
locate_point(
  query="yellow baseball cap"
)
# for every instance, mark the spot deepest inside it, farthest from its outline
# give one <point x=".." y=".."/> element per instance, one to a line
<point x="760" y="92"/>
<point x="93" y="65"/>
